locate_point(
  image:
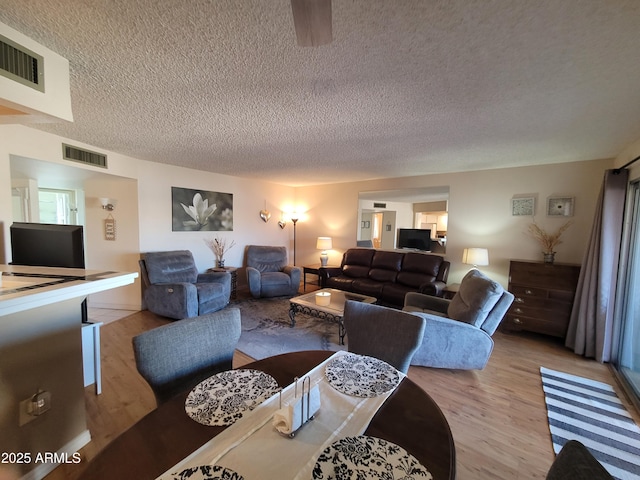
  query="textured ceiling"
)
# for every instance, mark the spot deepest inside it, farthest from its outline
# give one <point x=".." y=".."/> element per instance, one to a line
<point x="405" y="88"/>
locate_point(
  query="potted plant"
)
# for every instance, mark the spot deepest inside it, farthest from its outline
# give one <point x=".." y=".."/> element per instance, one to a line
<point x="219" y="247"/>
<point x="548" y="241"/>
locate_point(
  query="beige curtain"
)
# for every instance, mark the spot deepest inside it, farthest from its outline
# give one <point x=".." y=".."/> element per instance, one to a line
<point x="591" y="324"/>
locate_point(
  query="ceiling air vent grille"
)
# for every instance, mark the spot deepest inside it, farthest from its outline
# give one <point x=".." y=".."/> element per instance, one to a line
<point x="21" y="64"/>
<point x="379" y="205"/>
<point x="84" y="156"/>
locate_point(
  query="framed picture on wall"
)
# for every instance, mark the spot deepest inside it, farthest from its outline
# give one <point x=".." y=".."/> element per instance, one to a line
<point x="560" y="206"/>
<point x="523" y="206"/>
<point x="201" y="210"/>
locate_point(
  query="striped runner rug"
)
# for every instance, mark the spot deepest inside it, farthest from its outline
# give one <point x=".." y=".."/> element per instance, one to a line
<point x="590" y="412"/>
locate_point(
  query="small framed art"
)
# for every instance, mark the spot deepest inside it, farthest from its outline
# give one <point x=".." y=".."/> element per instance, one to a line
<point x="523" y="206"/>
<point x="560" y="206"/>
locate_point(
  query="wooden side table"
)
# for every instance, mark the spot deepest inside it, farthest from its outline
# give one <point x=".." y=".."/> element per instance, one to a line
<point x="450" y="290"/>
<point x="314" y="270"/>
<point x="234" y="277"/>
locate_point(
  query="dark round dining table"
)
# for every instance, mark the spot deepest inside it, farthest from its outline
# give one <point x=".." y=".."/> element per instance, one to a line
<point x="409" y="418"/>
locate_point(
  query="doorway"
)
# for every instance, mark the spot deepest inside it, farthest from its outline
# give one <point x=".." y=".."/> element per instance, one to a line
<point x="376" y="231"/>
<point x="58" y="206"/>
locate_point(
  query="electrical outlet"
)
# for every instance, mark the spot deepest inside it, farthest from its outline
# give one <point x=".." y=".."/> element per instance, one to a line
<point x="34" y="406"/>
<point x="40" y="403"/>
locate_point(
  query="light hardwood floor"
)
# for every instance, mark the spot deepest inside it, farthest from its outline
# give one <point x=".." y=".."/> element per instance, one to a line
<point x="497" y="415"/>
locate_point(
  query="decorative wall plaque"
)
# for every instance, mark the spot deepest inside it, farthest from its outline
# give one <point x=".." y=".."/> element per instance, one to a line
<point x="110" y="228"/>
<point x="523" y="206"/>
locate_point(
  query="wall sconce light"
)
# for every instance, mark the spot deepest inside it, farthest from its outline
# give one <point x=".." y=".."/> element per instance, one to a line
<point x="108" y="203"/>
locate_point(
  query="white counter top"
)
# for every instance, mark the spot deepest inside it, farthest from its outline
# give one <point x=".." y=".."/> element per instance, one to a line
<point x="29" y="287"/>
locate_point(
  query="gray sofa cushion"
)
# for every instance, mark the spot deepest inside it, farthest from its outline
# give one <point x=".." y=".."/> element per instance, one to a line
<point x="477" y="296"/>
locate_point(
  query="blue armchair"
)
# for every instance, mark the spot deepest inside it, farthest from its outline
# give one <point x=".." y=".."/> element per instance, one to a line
<point x="458" y="332"/>
<point x="268" y="274"/>
<point x="173" y="287"/>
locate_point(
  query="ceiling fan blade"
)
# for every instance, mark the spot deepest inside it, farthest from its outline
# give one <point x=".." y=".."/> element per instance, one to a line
<point x="312" y="20"/>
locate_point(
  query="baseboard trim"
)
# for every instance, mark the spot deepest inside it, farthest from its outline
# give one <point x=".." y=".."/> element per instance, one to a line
<point x="115" y="306"/>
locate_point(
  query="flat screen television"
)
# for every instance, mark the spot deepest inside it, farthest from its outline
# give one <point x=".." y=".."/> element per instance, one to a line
<point x="414" y="239"/>
<point x="47" y="245"/>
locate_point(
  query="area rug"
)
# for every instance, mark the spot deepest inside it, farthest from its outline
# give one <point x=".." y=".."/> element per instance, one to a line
<point x="267" y="331"/>
<point x="590" y="412"/>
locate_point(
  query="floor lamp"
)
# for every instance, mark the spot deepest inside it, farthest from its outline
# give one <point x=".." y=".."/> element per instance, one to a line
<point x="294" y="220"/>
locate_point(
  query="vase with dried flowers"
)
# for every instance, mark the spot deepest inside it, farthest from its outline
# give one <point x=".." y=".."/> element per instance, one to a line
<point x="548" y="241"/>
<point x="219" y="247"/>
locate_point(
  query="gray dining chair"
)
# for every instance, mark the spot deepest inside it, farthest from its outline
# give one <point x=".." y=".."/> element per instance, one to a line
<point x="384" y="333"/>
<point x="176" y="357"/>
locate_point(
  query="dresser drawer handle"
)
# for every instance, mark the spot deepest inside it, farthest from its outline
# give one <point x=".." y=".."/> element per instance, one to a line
<point x="517" y="321"/>
<point x="529" y="292"/>
<point x="517" y="310"/>
<point x="519" y="300"/>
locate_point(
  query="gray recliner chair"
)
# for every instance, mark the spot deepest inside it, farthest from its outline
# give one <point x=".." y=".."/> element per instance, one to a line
<point x="458" y="332"/>
<point x="173" y="287"/>
<point x="268" y="272"/>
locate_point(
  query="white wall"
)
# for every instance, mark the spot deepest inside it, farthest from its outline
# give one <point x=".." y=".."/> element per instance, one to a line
<point x="479" y="212"/>
<point x="479" y="208"/>
<point x="143" y="213"/>
<point x="249" y="197"/>
<point x="121" y="254"/>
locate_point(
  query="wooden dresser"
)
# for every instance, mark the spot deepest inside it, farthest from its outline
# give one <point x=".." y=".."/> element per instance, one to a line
<point x="543" y="296"/>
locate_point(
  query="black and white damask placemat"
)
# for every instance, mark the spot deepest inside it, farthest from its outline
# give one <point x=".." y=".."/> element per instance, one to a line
<point x="367" y="457"/>
<point x="207" y="472"/>
<point x="225" y="397"/>
<point x="361" y="376"/>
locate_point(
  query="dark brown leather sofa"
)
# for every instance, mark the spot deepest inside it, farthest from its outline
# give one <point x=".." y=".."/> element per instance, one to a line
<point x="388" y="275"/>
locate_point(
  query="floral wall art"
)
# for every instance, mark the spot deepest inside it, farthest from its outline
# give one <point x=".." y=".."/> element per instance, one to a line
<point x="199" y="210"/>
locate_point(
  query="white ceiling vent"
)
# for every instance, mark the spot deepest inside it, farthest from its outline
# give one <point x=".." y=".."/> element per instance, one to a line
<point x="27" y="95"/>
<point x="21" y="64"/>
<point x="76" y="154"/>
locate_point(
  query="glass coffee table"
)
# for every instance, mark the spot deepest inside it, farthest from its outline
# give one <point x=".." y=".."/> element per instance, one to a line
<point x="333" y="311"/>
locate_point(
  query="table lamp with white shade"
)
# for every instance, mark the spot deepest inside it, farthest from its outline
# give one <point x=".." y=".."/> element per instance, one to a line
<point x="475" y="256"/>
<point x="324" y="244"/>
